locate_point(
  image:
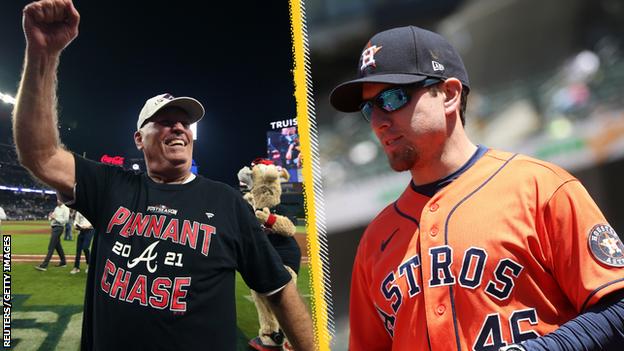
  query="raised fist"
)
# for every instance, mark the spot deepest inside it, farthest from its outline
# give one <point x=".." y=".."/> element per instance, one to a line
<point x="50" y="25"/>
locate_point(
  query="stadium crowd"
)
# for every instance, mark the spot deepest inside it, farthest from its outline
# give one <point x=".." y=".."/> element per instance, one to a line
<point x="26" y="206"/>
<point x="17" y="203"/>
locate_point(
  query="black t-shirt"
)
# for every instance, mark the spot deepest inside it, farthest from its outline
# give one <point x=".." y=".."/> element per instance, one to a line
<point x="162" y="272"/>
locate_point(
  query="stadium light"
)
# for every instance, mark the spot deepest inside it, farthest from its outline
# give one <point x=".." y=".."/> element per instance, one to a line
<point x="26" y="190"/>
<point x="7" y="98"/>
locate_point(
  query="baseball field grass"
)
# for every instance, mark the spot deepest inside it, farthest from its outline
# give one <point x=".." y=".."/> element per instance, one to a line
<point x="47" y="306"/>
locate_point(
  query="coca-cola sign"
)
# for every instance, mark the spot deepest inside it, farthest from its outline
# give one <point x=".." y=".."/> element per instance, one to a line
<point x="112" y="160"/>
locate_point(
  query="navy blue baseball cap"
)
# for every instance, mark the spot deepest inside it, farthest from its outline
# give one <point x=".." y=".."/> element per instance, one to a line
<point x="403" y="55"/>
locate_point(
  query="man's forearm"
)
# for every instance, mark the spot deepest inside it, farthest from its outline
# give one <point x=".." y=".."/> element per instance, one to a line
<point x="293" y="317"/>
<point x="599" y="328"/>
<point x="49" y="26"/>
<point x="34" y="117"/>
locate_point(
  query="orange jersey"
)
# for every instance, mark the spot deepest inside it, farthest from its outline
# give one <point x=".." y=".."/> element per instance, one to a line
<point x="509" y="251"/>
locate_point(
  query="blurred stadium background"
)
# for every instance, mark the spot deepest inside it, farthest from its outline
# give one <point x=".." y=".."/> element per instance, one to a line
<point x="546" y="80"/>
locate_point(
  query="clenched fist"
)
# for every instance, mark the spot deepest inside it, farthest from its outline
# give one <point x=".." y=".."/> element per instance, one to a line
<point x="50" y="25"/>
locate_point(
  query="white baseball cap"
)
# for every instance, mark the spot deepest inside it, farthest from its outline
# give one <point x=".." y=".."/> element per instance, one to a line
<point x="193" y="107"/>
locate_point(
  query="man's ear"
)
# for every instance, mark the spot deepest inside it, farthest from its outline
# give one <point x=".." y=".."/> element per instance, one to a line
<point x="452" y="95"/>
<point x="138" y="140"/>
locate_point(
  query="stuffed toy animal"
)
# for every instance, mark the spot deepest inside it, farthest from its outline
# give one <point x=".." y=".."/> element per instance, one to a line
<point x="261" y="185"/>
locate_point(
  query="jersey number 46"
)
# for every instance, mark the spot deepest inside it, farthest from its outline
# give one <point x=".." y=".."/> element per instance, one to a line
<point x="491" y="335"/>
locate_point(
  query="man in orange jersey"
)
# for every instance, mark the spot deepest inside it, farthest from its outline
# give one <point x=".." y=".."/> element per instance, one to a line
<point x="485" y="249"/>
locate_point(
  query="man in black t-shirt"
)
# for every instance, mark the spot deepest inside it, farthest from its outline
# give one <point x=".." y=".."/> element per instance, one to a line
<point x="167" y="242"/>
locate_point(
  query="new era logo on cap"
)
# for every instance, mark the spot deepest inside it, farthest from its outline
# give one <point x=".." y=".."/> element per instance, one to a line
<point x="437" y="66"/>
<point x="193" y="107"/>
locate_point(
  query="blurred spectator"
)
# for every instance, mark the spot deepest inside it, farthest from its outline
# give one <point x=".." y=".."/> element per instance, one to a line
<point x="2" y="217"/>
<point x="57" y="218"/>
<point x="83" y="242"/>
<point x="69" y="226"/>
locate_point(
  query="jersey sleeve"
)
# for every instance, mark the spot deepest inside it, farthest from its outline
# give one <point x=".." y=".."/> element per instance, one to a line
<point x="92" y="185"/>
<point x="583" y="269"/>
<point x="258" y="262"/>
<point x="366" y="329"/>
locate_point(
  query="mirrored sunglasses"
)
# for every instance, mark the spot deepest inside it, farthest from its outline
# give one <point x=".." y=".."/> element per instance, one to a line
<point x="394" y="98"/>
